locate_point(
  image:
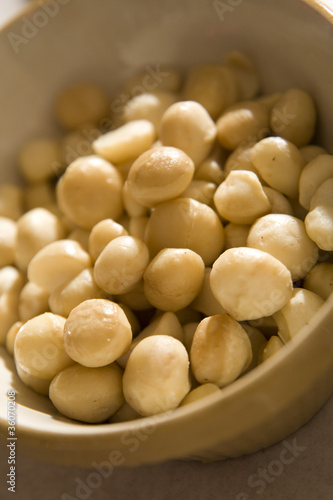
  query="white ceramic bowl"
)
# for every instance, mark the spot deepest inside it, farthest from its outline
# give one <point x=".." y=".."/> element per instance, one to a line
<point x="291" y="42"/>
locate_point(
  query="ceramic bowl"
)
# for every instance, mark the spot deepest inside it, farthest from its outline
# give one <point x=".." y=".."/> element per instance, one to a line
<point x="55" y="43"/>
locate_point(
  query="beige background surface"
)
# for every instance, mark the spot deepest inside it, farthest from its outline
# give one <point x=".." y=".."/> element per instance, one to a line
<point x="298" y="468"/>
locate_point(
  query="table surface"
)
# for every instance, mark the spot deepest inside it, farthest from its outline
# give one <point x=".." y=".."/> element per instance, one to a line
<point x="260" y="476"/>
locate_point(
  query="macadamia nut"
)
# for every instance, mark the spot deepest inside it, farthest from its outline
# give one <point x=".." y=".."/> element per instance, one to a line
<point x="33" y="301"/>
<point x="38" y="159"/>
<point x="101" y="234"/>
<point x="320" y="279"/>
<point x="148" y="106"/>
<point x="156" y="377"/>
<point x="97" y="332"/>
<point x="88" y="394"/>
<point x="8" y="239"/>
<point x="200" y="392"/>
<point x="11" y="201"/>
<point x="313" y="175"/>
<point x="250" y="283"/>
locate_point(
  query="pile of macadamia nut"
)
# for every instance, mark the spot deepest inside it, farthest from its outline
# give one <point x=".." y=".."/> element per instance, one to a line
<point x="167" y="242"/>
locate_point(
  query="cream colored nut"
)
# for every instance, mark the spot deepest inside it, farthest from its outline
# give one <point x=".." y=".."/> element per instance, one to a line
<point x="39" y="385"/>
<point x="89" y="191"/>
<point x="57" y="263"/>
<point x="33" y="301"/>
<point x="245" y="73"/>
<point x="136" y="298"/>
<point x="38" y="160"/>
<point x="166" y="324"/>
<point x="323" y="195"/>
<point x="8" y="241"/>
<point x="188" y="333"/>
<point x="243" y="123"/>
<point x="97" y="332"/>
<point x="185" y="223"/>
<point x="78" y="143"/>
<point x="267" y="325"/>
<point x="210" y="171"/>
<point x="36" y="229"/>
<point x="124" y="414"/>
<point x="121" y="265"/>
<point x="240" y="159"/>
<point x="126" y="142"/>
<point x="214" y="86"/>
<point x="137" y="227"/>
<point x="88" y="394"/>
<point x="297" y="312"/>
<point x="69" y="295"/>
<point x="220" y="351"/>
<point x="258" y="342"/>
<point x="236" y="235"/>
<point x="294" y="117"/>
<point x="279" y="163"/>
<point x="148" y="106"/>
<point x="240" y="198"/>
<point x="273" y="345"/>
<point x="205" y="302"/>
<point x="101" y="234"/>
<point x="39" y="348"/>
<point x="320" y="279"/>
<point x="11" y="280"/>
<point x="250" y="283"/>
<point x="269" y="100"/>
<point x="173" y="278"/>
<point x="156" y="377"/>
<point x="41" y="194"/>
<point x="152" y="78"/>
<point x="11" y="335"/>
<point x="200" y="392"/>
<point x="202" y="191"/>
<point x="159" y="174"/>
<point x="11" y="201"/>
<point x="131" y="205"/>
<point x="319" y="226"/>
<point x="81" y="236"/>
<point x="187" y="125"/>
<point x="8" y="313"/>
<point x="133" y="320"/>
<point x="313" y="175"/>
<point x="279" y="203"/>
<point x="285" y="238"/>
<point x="311" y="151"/>
<point x="80" y="104"/>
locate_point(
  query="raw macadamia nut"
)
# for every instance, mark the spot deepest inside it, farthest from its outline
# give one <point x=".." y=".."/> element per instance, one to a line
<point x="89" y="191"/>
<point x="205" y="302"/>
<point x="38" y="159"/>
<point x="202" y="191"/>
<point x="240" y="198"/>
<point x="156" y="377"/>
<point x="38" y="384"/>
<point x="101" y="234"/>
<point x="88" y="394"/>
<point x="319" y="226"/>
<point x="293" y="117"/>
<point x="273" y="345"/>
<point x="81" y="236"/>
<point x="126" y="142"/>
<point x="258" y="342"/>
<point x="136" y="298"/>
<point x="173" y="278"/>
<point x="39" y="348"/>
<point x="185" y="223"/>
<point x="36" y="229"/>
<point x="80" y="104"/>
<point x="8" y="313"/>
<point x="166" y="78"/>
<point x="11" y="280"/>
<point x="313" y="175"/>
<point x="323" y="195"/>
<point x="200" y="392"/>
<point x="97" y="332"/>
<point x="279" y="203"/>
<point x="34" y="300"/>
<point x="148" y="106"/>
<point x="57" y="263"/>
<point x="121" y="265"/>
<point x="240" y="159"/>
<point x="311" y="151"/>
<point x="220" y="350"/>
<point x="236" y="235"/>
<point x="241" y="124"/>
<point x="246" y="75"/>
<point x="11" y="335"/>
<point x="159" y="174"/>
<point x="187" y="125"/>
<point x="320" y="279"/>
<point x="69" y="295"/>
<point x="8" y="239"/>
<point x="297" y="312"/>
<point x="137" y="227"/>
<point x="285" y="238"/>
<point x="11" y="201"/>
<point x="214" y="86"/>
<point x="279" y="162"/>
<point x="250" y="283"/>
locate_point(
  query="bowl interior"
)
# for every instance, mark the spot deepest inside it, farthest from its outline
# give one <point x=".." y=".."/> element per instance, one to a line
<point x="290" y="42"/>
